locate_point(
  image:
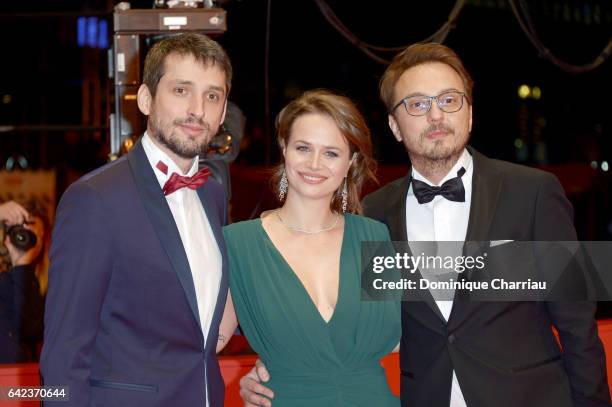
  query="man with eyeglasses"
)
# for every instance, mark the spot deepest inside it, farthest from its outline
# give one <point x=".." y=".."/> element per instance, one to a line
<point x="477" y="354"/>
<point x="458" y="353"/>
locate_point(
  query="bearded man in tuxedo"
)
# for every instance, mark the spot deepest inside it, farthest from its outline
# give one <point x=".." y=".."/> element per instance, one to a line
<point x="138" y="276"/>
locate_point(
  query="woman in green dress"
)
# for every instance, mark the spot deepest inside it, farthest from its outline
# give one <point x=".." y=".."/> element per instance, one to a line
<point x="295" y="272"/>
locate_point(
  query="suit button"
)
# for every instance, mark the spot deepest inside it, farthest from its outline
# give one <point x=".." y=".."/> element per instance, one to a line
<point x="452" y="338"/>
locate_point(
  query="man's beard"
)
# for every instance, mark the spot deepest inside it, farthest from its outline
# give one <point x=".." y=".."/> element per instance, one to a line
<point x="185" y="148"/>
<point x="442" y="154"/>
<point x="441" y="150"/>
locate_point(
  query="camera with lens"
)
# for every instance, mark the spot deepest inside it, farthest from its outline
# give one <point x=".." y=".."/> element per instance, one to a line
<point x="23" y="239"/>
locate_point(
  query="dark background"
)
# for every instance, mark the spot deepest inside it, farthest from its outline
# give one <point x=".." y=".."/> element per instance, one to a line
<point x="47" y="80"/>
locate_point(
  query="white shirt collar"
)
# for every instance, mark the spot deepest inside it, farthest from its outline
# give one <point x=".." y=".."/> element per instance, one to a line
<point x="155" y="154"/>
<point x="465" y="161"/>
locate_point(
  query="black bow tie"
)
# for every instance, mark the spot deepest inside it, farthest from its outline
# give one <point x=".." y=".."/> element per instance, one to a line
<point x="452" y="189"/>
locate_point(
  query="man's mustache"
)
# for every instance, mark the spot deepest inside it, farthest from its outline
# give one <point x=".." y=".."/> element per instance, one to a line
<point x="192" y="121"/>
<point x="437" y="127"/>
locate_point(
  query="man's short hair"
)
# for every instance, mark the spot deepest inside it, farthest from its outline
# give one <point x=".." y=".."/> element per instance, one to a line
<point x="418" y="54"/>
<point x="201" y="47"/>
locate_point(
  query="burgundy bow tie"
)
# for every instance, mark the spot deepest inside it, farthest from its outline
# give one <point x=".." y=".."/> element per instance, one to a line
<point x="176" y="181"/>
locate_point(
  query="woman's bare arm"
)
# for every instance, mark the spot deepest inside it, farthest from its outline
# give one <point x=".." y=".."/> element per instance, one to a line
<point x="229" y="323"/>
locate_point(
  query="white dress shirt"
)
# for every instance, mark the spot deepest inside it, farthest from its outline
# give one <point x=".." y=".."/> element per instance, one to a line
<point x="196" y="235"/>
<point x="442" y="220"/>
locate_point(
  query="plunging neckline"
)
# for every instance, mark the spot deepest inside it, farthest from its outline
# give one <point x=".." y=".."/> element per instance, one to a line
<point x="339" y="295"/>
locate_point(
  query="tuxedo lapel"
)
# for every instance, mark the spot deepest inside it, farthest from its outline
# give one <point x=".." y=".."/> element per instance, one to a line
<point x="212" y="213"/>
<point x="486" y="189"/>
<point x="396" y="220"/>
<point x="161" y="217"/>
<point x="396" y="211"/>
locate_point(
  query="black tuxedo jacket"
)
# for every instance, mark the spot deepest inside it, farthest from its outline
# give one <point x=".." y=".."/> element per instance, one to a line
<point x="503" y="353"/>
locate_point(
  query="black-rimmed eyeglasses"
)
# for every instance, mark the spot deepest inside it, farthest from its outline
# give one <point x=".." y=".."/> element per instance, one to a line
<point x="419" y="105"/>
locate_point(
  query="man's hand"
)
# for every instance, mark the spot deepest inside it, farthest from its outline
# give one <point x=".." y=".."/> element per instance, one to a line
<point x="251" y="389"/>
<point x="12" y="213"/>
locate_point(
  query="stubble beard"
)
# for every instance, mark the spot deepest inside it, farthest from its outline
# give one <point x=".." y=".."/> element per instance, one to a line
<point x="187" y="148"/>
<point x="440" y="157"/>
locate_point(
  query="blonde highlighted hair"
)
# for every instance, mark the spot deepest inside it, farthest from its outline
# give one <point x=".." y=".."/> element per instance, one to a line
<point x="418" y="54"/>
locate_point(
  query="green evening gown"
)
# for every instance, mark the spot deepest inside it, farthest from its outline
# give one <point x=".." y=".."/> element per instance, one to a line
<point x="311" y="362"/>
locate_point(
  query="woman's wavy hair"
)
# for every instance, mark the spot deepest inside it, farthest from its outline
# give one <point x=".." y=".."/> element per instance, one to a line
<point x="352" y="126"/>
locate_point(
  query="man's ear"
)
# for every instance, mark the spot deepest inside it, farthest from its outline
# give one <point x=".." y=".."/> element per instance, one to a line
<point x="395" y="128"/>
<point x="144" y="99"/>
<point x="470" y="128"/>
<point x="224" y="112"/>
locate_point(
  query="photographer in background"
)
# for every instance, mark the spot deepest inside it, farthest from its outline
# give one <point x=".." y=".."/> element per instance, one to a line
<point x="21" y="304"/>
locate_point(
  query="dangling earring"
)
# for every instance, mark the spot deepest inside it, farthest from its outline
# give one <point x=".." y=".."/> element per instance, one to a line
<point x="282" y="188"/>
<point x="344" y="196"/>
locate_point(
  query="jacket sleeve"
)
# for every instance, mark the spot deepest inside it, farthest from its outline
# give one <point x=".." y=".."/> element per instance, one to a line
<point x="583" y="351"/>
<point x="372" y="208"/>
<point x="28" y="304"/>
<point x="81" y="262"/>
